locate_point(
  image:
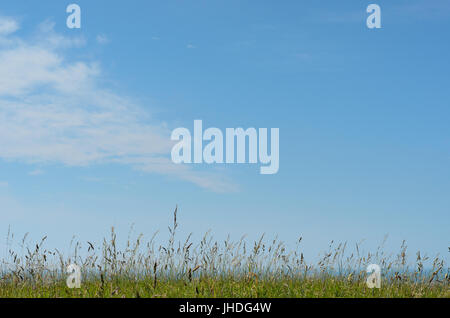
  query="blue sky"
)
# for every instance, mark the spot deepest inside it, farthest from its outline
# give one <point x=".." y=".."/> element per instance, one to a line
<point x="86" y="117"/>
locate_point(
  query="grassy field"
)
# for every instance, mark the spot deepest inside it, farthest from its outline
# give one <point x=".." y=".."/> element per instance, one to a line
<point x="122" y="287"/>
<point x="213" y="269"/>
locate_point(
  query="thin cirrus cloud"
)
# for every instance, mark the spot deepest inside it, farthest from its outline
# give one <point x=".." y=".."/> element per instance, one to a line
<point x="423" y="9"/>
<point x="55" y="111"/>
<point x="36" y="172"/>
<point x="102" y="39"/>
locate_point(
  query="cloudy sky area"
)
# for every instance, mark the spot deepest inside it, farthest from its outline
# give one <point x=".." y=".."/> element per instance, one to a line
<point x="86" y="117"/>
<point x="54" y="110"/>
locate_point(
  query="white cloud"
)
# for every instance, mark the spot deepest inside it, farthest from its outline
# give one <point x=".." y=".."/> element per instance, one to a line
<point x="8" y="26"/>
<point x="25" y="68"/>
<point x="53" y="110"/>
<point x="46" y="36"/>
<point x="190" y="46"/>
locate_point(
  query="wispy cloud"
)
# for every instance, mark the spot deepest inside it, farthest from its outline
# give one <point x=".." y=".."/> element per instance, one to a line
<point x="424" y="9"/>
<point x="302" y="56"/>
<point x="91" y="179"/>
<point x="8" y="26"/>
<point x="4" y="184"/>
<point x="417" y="9"/>
<point x="102" y="39"/>
<point x="338" y="17"/>
<point x="46" y="36"/>
<point x="36" y="172"/>
<point x="190" y="46"/>
<point x="55" y="110"/>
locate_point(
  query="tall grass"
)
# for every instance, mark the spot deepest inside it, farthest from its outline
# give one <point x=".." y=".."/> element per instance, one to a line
<point x="265" y="268"/>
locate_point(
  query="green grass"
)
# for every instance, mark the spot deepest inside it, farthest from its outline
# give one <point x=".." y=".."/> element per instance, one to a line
<point x="211" y="287"/>
<point x="212" y="269"/>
